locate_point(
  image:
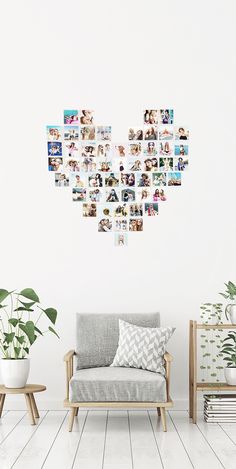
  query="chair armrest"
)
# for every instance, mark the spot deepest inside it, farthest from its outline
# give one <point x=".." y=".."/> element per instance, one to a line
<point x="68" y="359"/>
<point x="167" y="359"/>
<point x="68" y="356"/>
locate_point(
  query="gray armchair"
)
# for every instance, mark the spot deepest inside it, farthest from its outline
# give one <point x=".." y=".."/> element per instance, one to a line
<point x="91" y="382"/>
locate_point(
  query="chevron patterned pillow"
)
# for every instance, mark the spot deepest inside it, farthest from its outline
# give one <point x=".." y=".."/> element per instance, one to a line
<point x="142" y="347"/>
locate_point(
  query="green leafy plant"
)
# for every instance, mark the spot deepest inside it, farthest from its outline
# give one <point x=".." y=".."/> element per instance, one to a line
<point x="230" y="292"/>
<point x="229" y="349"/>
<point x="19" y="322"/>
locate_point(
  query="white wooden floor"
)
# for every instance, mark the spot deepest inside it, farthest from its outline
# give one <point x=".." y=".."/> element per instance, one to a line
<point x="115" y="440"/>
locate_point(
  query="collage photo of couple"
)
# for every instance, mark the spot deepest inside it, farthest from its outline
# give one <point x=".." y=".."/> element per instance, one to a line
<point x="118" y="183"/>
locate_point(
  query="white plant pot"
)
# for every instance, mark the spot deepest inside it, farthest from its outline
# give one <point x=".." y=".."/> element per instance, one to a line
<point x="231" y="312"/>
<point x="230" y="375"/>
<point x="15" y="372"/>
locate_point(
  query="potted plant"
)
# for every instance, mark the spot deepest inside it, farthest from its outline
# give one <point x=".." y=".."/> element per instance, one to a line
<point x="229" y="350"/>
<point x="230" y="293"/>
<point x="18" y="332"/>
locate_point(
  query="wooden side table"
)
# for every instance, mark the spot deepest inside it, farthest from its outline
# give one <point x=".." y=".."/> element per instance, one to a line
<point x="194" y="386"/>
<point x="28" y="391"/>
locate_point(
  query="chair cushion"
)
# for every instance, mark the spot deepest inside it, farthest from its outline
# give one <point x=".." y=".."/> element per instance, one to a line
<point x="142" y="347"/>
<point x="116" y="384"/>
<point x="97" y="335"/>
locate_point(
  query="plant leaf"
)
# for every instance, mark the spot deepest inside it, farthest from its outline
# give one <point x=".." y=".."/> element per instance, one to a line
<point x="3" y="294"/>
<point x="26" y="349"/>
<point x="30" y="294"/>
<point x="53" y="331"/>
<point x="17" y="351"/>
<point x="38" y="330"/>
<point x="28" y="329"/>
<point x="20" y="339"/>
<point x="13" y="321"/>
<point x="9" y="337"/>
<point x="51" y="313"/>
<point x="27" y="305"/>
<point x="21" y="308"/>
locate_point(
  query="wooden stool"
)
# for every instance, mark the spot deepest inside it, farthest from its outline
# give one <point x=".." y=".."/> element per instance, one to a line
<point x="28" y="391"/>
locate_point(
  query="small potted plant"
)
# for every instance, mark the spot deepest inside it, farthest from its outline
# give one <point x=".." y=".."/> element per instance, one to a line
<point x="229" y="352"/>
<point x="230" y="293"/>
<point x="19" y="330"/>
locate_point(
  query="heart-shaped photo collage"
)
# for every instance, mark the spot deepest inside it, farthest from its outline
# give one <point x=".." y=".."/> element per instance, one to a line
<point x="118" y="183"/>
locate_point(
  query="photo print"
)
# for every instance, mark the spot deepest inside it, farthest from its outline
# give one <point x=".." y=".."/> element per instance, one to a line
<point x="159" y="179"/>
<point x="104" y="132"/>
<point x="136" y="224"/>
<point x="105" y="225"/>
<point x="150" y="149"/>
<point x="87" y="132"/>
<point x="71" y="117"/>
<point x="121" y="210"/>
<point x="89" y="210"/>
<point x="62" y="180"/>
<point x="181" y="133"/>
<point x="119" y="183"/>
<point x="159" y="194"/>
<point x="135" y="133"/>
<point x="54" y="133"/>
<point x="150" y="132"/>
<point x="180" y="164"/>
<point x="181" y="150"/>
<point x="151" y="116"/>
<point x="174" y="179"/>
<point x="166" y="132"/>
<point x="87" y="118"/>
<point x="54" y="149"/>
<point x="151" y="209"/>
<point x="166" y="116"/>
<point x="71" y="133"/>
<point x="106" y="210"/>
<point x="55" y="164"/>
<point x="121" y="239"/>
<point x="72" y="165"/>
<point x="79" y="195"/>
<point x="95" y="195"/>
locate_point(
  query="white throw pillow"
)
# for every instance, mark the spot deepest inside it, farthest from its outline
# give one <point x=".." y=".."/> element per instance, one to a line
<point x="142" y="347"/>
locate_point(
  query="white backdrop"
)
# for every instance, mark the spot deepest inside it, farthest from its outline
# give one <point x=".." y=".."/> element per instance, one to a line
<point x="117" y="58"/>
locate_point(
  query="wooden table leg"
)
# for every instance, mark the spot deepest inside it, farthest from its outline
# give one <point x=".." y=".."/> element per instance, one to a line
<point x="34" y="406"/>
<point x="2" y="400"/>
<point x="158" y="411"/>
<point x="194" y="405"/>
<point x="76" y="411"/>
<point x="30" y="409"/>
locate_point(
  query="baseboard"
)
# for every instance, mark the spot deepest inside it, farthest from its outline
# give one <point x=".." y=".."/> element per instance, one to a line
<point x="47" y="404"/>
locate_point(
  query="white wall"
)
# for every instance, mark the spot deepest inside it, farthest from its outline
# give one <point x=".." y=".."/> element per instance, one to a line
<point x="117" y="58"/>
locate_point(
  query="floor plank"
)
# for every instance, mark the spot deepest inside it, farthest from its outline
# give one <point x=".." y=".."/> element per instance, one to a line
<point x="9" y="421"/>
<point x="230" y="430"/>
<point x="91" y="449"/>
<point x="63" y="451"/>
<point x="170" y="445"/>
<point x="16" y="440"/>
<point x="221" y="444"/>
<point x="35" y="452"/>
<point x="117" y="450"/>
<point x="144" y="448"/>
<point x="200" y="452"/>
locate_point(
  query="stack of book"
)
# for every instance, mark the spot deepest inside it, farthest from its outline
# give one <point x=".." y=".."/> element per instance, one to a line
<point x="220" y="408"/>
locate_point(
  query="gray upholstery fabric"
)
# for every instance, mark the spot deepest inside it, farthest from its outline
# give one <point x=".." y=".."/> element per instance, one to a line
<point x="97" y="335"/>
<point x="117" y="384"/>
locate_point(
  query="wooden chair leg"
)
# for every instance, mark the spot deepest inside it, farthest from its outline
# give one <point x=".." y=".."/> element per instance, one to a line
<point x="30" y="409"/>
<point x="2" y="400"/>
<point x="34" y="406"/>
<point x="76" y="411"/>
<point x="158" y="411"/>
<point x="71" y="420"/>
<point x="163" y="418"/>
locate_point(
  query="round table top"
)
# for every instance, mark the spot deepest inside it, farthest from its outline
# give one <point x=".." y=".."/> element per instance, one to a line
<point x="28" y="389"/>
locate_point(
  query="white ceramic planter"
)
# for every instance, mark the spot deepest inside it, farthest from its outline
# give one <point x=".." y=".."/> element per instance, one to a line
<point x="15" y="372"/>
<point x="230" y="376"/>
<point x="230" y="312"/>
